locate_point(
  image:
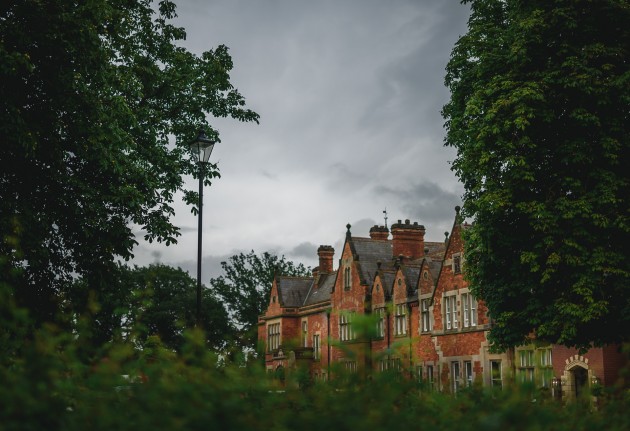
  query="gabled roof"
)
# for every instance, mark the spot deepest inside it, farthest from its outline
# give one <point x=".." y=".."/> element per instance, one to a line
<point x="434" y="267"/>
<point x="436" y="250"/>
<point x="292" y="291"/>
<point x="456" y="229"/>
<point x="322" y="293"/>
<point x="411" y="274"/>
<point x="387" y="280"/>
<point x="368" y="252"/>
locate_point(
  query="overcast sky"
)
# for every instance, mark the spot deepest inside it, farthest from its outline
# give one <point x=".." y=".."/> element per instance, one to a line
<point x="349" y="94"/>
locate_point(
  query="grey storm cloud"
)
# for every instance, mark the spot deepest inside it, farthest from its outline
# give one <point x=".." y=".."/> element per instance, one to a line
<point x="306" y="250"/>
<point x="349" y="94"/>
<point x="426" y="202"/>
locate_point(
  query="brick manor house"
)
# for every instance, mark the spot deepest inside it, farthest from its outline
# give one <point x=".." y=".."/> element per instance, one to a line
<point x="427" y="323"/>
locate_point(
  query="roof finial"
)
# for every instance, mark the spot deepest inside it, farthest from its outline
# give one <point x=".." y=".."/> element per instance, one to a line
<point x="348" y="234"/>
<point x="385" y="212"/>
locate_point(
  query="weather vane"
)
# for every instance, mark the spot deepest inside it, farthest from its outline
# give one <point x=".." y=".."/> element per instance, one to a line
<point x="385" y="212"/>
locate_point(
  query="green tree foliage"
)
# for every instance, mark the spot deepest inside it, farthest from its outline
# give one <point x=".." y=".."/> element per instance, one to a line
<point x="157" y="300"/>
<point x="245" y="287"/>
<point x="170" y="307"/>
<point x="97" y="102"/>
<point x="539" y="116"/>
<point x="192" y="390"/>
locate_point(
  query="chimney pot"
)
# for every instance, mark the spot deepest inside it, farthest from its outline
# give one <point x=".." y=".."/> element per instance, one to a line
<point x="408" y="239"/>
<point x="379" y="233"/>
<point x="325" y="253"/>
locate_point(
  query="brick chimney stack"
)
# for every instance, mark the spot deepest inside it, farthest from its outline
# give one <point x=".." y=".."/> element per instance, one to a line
<point x="379" y="232"/>
<point x="408" y="239"/>
<point x="325" y="253"/>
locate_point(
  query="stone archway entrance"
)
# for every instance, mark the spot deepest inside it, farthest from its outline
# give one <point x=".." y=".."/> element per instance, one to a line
<point x="580" y="380"/>
<point x="576" y="378"/>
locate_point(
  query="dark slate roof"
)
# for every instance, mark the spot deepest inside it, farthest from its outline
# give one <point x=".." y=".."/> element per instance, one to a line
<point x="293" y="290"/>
<point x="413" y="296"/>
<point x="411" y="274"/>
<point x="436" y="250"/>
<point x="325" y="283"/>
<point x="434" y="267"/>
<point x="370" y="252"/>
<point x="387" y="278"/>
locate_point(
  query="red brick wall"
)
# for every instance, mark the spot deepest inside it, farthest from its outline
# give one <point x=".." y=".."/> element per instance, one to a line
<point x="378" y="301"/>
<point x="450" y="280"/>
<point x="345" y="301"/>
<point x="290" y="332"/>
<point x="318" y="323"/>
<point x="605" y="363"/>
<point x="425" y="286"/>
<point x="461" y="343"/>
<point x="274" y="308"/>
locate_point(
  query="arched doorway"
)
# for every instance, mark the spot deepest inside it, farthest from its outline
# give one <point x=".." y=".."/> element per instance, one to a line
<point x="576" y="378"/>
<point x="579" y="377"/>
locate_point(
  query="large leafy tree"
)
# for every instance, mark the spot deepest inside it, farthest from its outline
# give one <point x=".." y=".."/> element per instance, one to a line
<point x="244" y="288"/>
<point x="168" y="307"/>
<point x="97" y="101"/>
<point x="540" y="115"/>
<point x="156" y="300"/>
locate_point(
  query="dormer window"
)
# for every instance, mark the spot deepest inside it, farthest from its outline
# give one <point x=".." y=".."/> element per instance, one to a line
<point x="347" y="279"/>
<point x="426" y="316"/>
<point x="457" y="264"/>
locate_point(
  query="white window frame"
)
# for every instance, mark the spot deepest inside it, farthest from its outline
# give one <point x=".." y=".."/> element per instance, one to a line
<point x="400" y="319"/>
<point x="545" y="357"/>
<point x="345" y="327"/>
<point x="469" y="306"/>
<point x="430" y="376"/>
<point x="450" y="311"/>
<point x="305" y="333"/>
<point x="526" y="362"/>
<point x="468" y="373"/>
<point x="273" y="336"/>
<point x="317" y="347"/>
<point x="425" y="314"/>
<point x="455" y="376"/>
<point x="494" y="380"/>
<point x="380" y="322"/>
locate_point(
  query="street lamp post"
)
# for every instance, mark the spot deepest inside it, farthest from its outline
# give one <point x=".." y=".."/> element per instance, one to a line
<point x="201" y="148"/>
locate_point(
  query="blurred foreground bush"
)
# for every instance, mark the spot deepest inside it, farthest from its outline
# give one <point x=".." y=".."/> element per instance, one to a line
<point x="45" y="387"/>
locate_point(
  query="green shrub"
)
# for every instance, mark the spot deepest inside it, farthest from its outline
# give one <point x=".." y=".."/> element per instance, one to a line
<point x="47" y="387"/>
